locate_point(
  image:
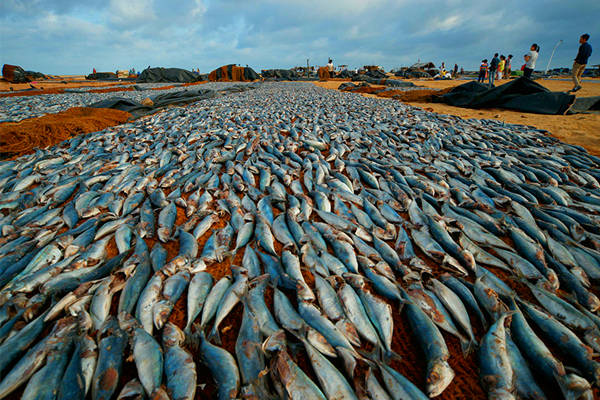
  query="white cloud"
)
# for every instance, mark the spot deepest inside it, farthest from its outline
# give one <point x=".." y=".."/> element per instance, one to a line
<point x="70" y="35"/>
<point x="199" y="8"/>
<point x="127" y="12"/>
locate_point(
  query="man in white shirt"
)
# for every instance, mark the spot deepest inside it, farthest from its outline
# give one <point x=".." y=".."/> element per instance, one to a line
<point x="530" y="60"/>
<point x="330" y="68"/>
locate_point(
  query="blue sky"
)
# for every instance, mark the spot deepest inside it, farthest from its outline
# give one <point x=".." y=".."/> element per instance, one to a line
<point x="74" y="36"/>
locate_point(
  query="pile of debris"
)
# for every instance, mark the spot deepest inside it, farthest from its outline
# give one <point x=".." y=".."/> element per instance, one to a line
<point x="417" y="70"/>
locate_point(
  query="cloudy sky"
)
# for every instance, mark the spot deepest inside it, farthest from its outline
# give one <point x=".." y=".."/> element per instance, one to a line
<point x="74" y="36"/>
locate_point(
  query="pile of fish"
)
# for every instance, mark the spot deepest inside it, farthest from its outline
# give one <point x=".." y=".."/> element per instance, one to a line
<point x="14" y="109"/>
<point x="329" y="214"/>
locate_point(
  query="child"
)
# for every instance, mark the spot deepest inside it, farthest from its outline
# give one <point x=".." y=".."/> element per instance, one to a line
<point x="483" y="71"/>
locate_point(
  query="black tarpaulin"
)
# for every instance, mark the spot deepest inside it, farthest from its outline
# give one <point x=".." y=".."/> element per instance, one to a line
<point x="102" y="76"/>
<point x="162" y="100"/>
<point x="167" y="99"/>
<point x="178" y="75"/>
<point x="280" y="74"/>
<point x="520" y="94"/>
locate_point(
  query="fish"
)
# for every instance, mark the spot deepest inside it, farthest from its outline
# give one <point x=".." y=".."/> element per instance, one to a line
<point x="179" y="367"/>
<point x="223" y="368"/>
<point x="148" y="358"/>
<point x="110" y="361"/>
<point x="495" y="367"/>
<point x="439" y="372"/>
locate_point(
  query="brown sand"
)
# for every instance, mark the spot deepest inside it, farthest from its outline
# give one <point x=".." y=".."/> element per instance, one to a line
<point x="73" y="81"/>
<point x="18" y="138"/>
<point x="578" y="129"/>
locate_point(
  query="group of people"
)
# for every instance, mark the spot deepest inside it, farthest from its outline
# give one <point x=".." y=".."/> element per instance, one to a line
<point x="500" y="67"/>
<point x="444" y="73"/>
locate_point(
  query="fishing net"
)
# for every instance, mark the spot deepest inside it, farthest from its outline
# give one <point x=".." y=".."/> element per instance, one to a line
<point x="323" y="74"/>
<point x="18" y="138"/>
<point x="232" y="73"/>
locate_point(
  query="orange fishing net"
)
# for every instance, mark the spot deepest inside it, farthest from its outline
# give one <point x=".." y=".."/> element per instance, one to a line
<point x="18" y="138"/>
<point x="323" y="74"/>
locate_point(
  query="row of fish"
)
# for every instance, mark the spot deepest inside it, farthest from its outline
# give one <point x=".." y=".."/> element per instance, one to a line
<point x="342" y="212"/>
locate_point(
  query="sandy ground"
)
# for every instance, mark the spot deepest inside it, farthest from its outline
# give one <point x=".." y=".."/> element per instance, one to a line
<point x="72" y="81"/>
<point x="579" y="129"/>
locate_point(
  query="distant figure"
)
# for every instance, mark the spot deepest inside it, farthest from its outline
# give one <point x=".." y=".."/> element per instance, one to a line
<point x="455" y="72"/>
<point x="501" y="64"/>
<point x="94" y="71"/>
<point x="493" y="69"/>
<point x="508" y="66"/>
<point x="462" y="71"/>
<point x="584" y="53"/>
<point x="530" y="60"/>
<point x="482" y="71"/>
<point x="330" y="68"/>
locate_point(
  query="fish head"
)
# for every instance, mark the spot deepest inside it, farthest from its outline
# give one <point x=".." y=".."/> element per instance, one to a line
<point x="160" y="313"/>
<point x="439" y="377"/>
<point x="276" y="342"/>
<point x="172" y="335"/>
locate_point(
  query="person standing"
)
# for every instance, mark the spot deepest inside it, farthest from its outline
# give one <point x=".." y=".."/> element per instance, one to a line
<point x="508" y="66"/>
<point x="455" y="72"/>
<point x="482" y="71"/>
<point x="330" y="67"/>
<point x="530" y="60"/>
<point x="493" y="68"/>
<point x="584" y="53"/>
<point x="501" y="67"/>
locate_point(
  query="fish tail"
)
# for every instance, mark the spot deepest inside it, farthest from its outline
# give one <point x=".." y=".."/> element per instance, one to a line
<point x="467" y="346"/>
<point x="371" y="357"/>
<point x="192" y="340"/>
<point x="214" y="335"/>
<point x="391" y="355"/>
